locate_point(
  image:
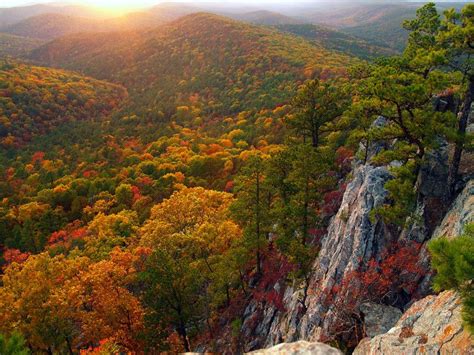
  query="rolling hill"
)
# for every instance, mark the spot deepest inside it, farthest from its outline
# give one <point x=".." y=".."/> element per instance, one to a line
<point x="201" y="59"/>
<point x="34" y="100"/>
<point x="337" y="40"/>
<point x="49" y="26"/>
<point x="16" y="46"/>
<point x="269" y="18"/>
<point x="49" y="22"/>
<point x="12" y="15"/>
<point x="378" y="23"/>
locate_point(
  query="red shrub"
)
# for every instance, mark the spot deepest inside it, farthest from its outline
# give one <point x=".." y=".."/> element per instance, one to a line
<point x="275" y="269"/>
<point x="392" y="279"/>
<point x="64" y="237"/>
<point x="14" y="256"/>
<point x="332" y="201"/>
<point x="37" y="157"/>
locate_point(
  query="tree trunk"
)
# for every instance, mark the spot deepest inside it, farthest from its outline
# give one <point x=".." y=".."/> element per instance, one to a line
<point x="69" y="347"/>
<point x="184" y="336"/>
<point x="305" y="212"/>
<point x="315" y="137"/>
<point x="462" y="125"/>
<point x="227" y="294"/>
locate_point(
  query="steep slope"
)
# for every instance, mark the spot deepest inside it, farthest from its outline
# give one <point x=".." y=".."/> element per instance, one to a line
<point x="225" y="65"/>
<point x="17" y="46"/>
<point x="34" y="100"/>
<point x="337" y="40"/>
<point x="357" y="241"/>
<point x="433" y="324"/>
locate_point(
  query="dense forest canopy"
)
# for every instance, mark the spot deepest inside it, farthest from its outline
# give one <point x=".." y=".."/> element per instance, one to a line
<point x="213" y="63"/>
<point x="164" y="178"/>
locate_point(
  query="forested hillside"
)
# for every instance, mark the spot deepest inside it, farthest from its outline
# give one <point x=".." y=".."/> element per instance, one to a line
<point x="34" y="100"/>
<point x="336" y="40"/>
<point x="377" y="22"/>
<point x="16" y="46"/>
<point x="215" y="186"/>
<point x="49" y="26"/>
<point x="202" y="60"/>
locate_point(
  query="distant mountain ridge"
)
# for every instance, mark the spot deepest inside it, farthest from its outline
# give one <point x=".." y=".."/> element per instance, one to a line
<point x="265" y="17"/>
<point x="16" y="46"/>
<point x="229" y="63"/>
<point x="337" y="40"/>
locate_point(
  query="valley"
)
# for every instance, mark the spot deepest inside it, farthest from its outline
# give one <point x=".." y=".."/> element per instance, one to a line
<point x="227" y="177"/>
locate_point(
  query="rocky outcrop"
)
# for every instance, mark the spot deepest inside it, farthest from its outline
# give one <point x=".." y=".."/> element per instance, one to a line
<point x="460" y="214"/>
<point x="430" y="326"/>
<point x="299" y="348"/>
<point x="352" y="239"/>
<point x="433" y="324"/>
<point x="378" y="318"/>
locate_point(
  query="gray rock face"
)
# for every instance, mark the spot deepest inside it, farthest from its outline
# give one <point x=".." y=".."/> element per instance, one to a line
<point x="378" y="318"/>
<point x="299" y="348"/>
<point x="434" y="195"/>
<point x="460" y="214"/>
<point x="430" y="326"/>
<point x="352" y="239"/>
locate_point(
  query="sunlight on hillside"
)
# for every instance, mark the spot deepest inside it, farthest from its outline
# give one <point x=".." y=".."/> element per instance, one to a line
<point x="236" y="177"/>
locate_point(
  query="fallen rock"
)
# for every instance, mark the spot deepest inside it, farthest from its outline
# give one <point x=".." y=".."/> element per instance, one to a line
<point x="378" y="318"/>
<point x="300" y="348"/>
<point x="432" y="325"/>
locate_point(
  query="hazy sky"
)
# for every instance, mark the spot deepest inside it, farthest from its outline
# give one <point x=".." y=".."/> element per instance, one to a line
<point x="141" y="3"/>
<point x="12" y="3"/>
<point x="145" y="3"/>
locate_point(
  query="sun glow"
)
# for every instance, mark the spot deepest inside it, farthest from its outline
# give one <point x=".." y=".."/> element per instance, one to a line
<point x="119" y="6"/>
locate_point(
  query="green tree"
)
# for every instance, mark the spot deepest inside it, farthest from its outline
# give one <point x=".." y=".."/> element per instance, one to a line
<point x="124" y="195"/>
<point x="404" y="97"/>
<point x="13" y="345"/>
<point x="317" y="105"/>
<point x="448" y="44"/>
<point x="173" y="293"/>
<point x="456" y="37"/>
<point x="453" y="260"/>
<point x="252" y="206"/>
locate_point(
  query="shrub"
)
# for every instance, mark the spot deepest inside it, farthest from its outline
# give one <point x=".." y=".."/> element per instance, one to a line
<point x="453" y="261"/>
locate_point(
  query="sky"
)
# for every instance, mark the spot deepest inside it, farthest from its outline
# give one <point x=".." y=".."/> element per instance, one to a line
<point x="145" y="3"/>
<point x="13" y="3"/>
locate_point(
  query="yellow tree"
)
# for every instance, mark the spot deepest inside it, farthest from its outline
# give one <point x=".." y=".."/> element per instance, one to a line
<point x="191" y="235"/>
<point x="106" y="308"/>
<point x="33" y="301"/>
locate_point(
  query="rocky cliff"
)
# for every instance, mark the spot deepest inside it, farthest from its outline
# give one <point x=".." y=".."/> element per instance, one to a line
<point x="354" y="239"/>
<point x="430" y="326"/>
<point x="433" y="324"/>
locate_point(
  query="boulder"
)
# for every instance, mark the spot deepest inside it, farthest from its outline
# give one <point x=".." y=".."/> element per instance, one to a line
<point x="430" y="326"/>
<point x="299" y="348"/>
<point x="378" y="318"/>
